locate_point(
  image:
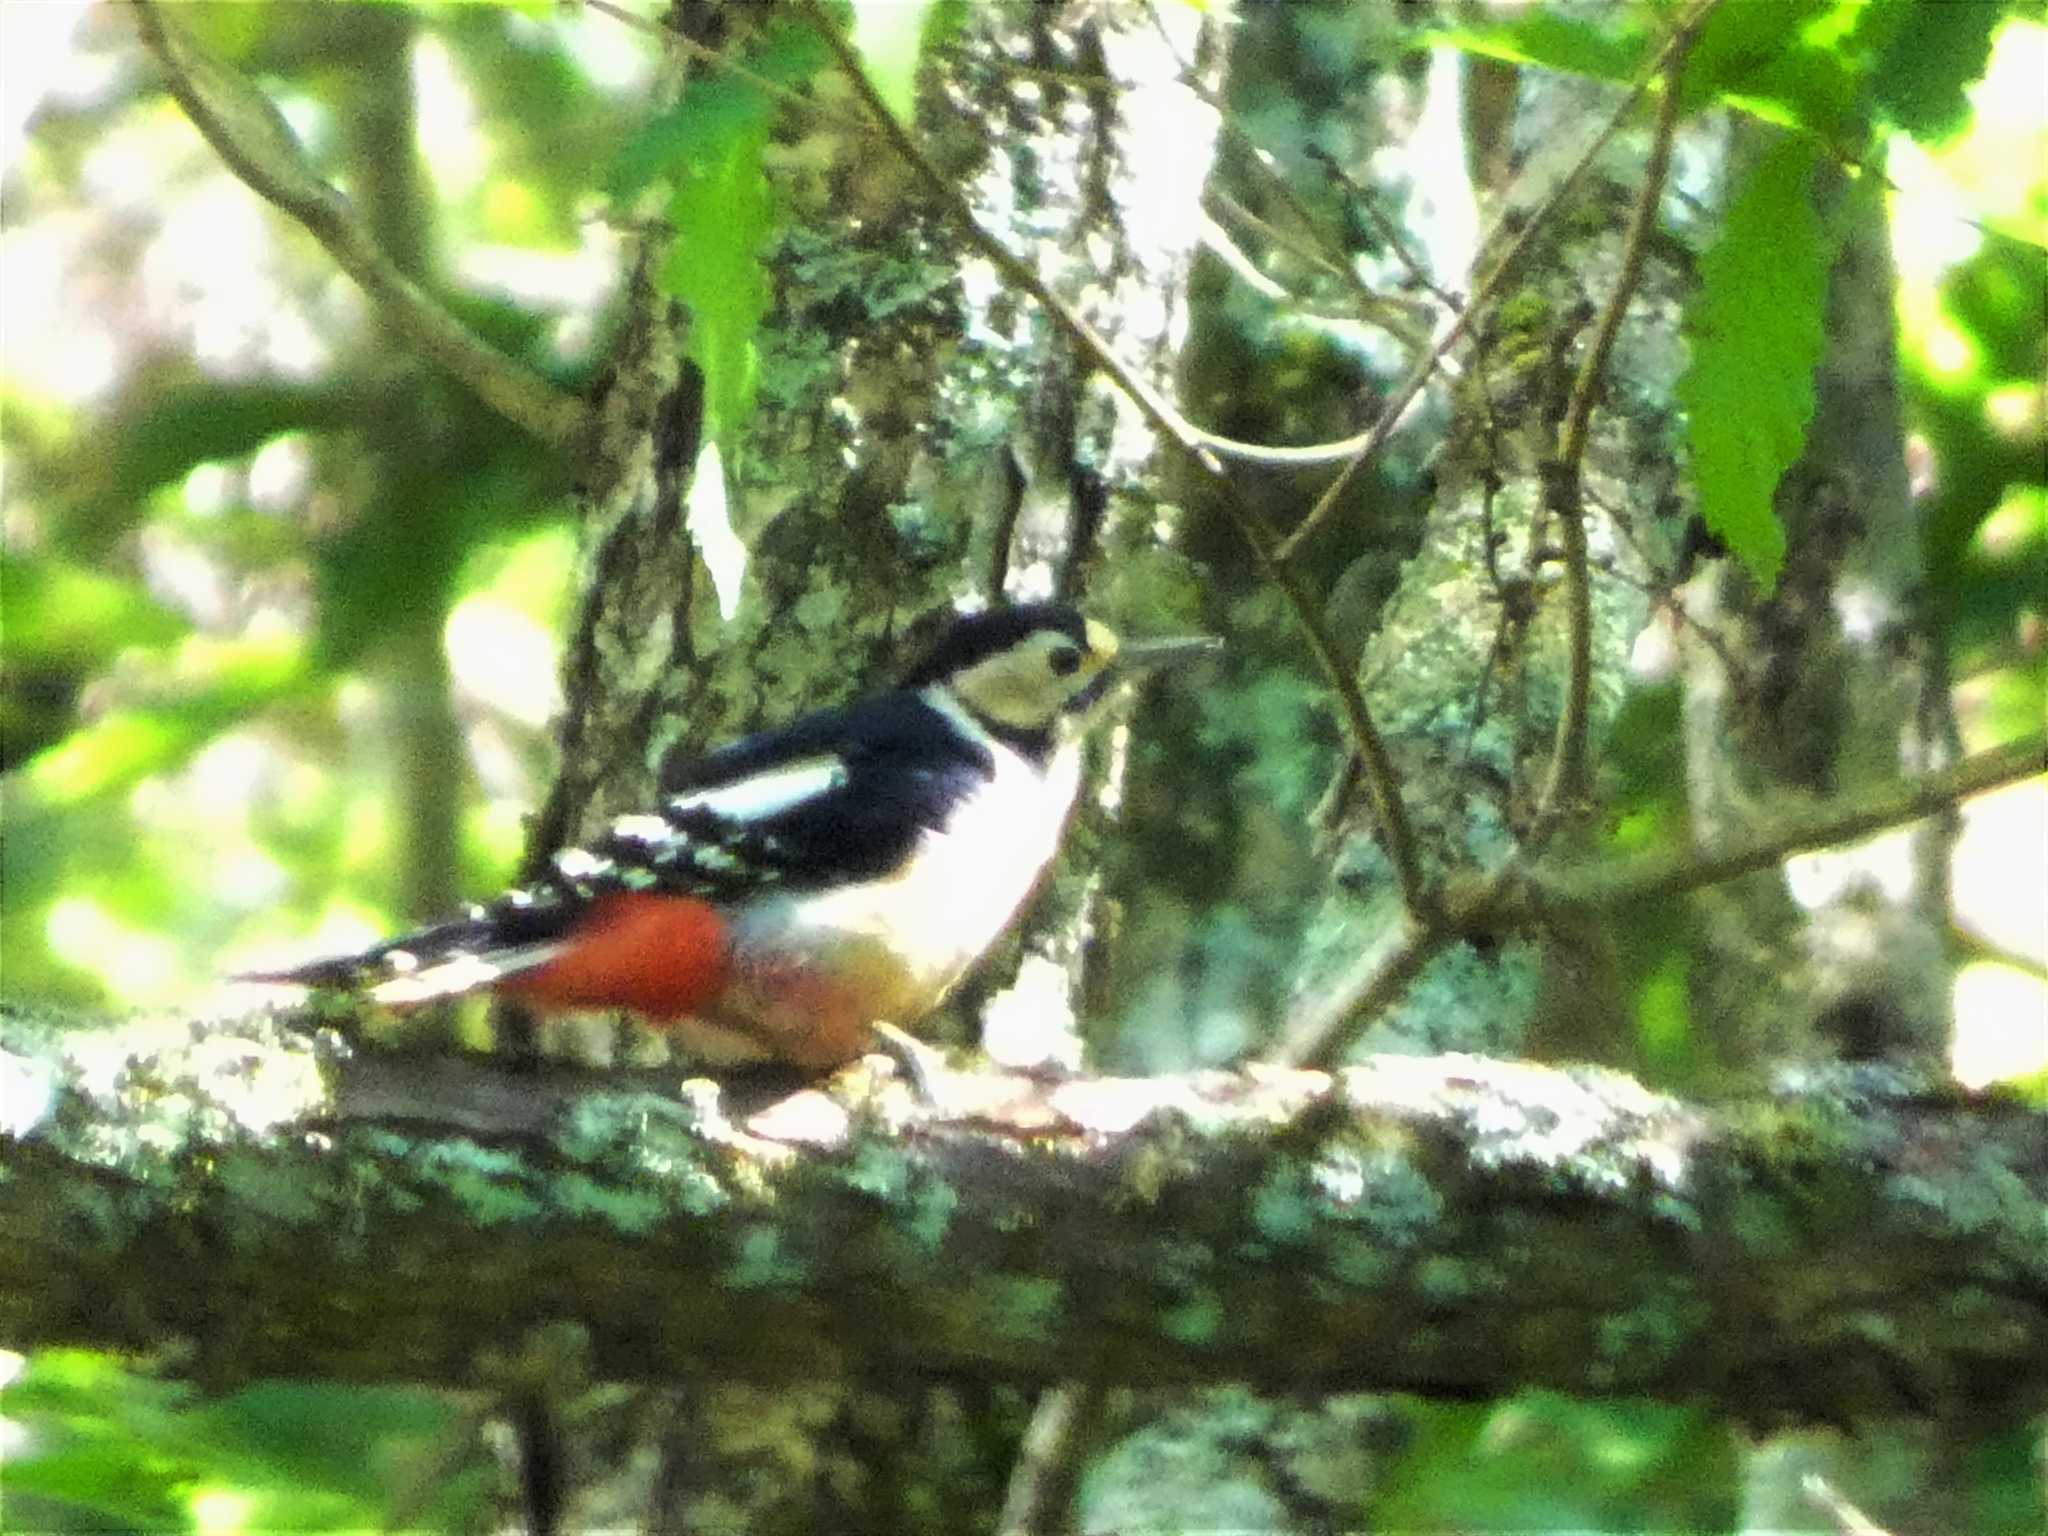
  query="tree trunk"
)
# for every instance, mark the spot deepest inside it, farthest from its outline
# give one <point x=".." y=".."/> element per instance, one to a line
<point x="925" y="434"/>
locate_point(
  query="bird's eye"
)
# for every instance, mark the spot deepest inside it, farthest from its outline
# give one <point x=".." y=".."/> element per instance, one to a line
<point x="1064" y="660"/>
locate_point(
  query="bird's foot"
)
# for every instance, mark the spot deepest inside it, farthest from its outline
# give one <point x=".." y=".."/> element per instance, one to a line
<point x="920" y="1065"/>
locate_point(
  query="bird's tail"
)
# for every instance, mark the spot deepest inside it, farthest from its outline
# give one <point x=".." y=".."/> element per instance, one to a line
<point x="486" y="947"/>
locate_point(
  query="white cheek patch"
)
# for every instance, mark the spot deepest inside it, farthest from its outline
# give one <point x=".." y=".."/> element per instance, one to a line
<point x="762" y="795"/>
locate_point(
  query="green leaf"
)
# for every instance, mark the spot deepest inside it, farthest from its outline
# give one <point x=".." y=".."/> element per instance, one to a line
<point x="1551" y="39"/>
<point x="1740" y="42"/>
<point x="723" y="211"/>
<point x="539" y="10"/>
<point x="889" y="36"/>
<point x="717" y="109"/>
<point x="788" y="53"/>
<point x="127" y="1449"/>
<point x="165" y="422"/>
<point x="1541" y="1461"/>
<point x="713" y="112"/>
<point x="1793" y="62"/>
<point x="234" y="679"/>
<point x="1663" y="1020"/>
<point x="724" y="214"/>
<point x="1939" y="49"/>
<point x="1797" y="63"/>
<point x="1756" y="327"/>
<point x="54" y="611"/>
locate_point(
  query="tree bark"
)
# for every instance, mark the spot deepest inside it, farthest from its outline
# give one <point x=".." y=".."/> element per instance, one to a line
<point x="1471" y="655"/>
<point x="1451" y="1226"/>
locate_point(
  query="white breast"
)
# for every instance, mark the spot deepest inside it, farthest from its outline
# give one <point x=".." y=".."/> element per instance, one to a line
<point x="931" y="920"/>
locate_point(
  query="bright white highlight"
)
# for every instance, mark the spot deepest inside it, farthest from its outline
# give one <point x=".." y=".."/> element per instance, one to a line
<point x="464" y="973"/>
<point x="36" y="38"/>
<point x="138" y="967"/>
<point x="503" y="658"/>
<point x="1823" y="878"/>
<point x="2001" y="1025"/>
<point x="216" y="1512"/>
<point x="2000" y="870"/>
<point x="450" y="140"/>
<point x="766" y="794"/>
<point x="1442" y="213"/>
<point x="709" y="520"/>
<point x="1026" y="1024"/>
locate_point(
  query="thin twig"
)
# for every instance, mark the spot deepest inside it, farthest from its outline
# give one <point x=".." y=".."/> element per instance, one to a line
<point x="1397" y="314"/>
<point x="1284" y="455"/>
<point x="1013" y="267"/>
<point x="1656" y="877"/>
<point x="1373" y="307"/>
<point x="1327" y="253"/>
<point x="1293" y="455"/>
<point x="1973" y="945"/>
<point x="1849" y="1520"/>
<point x="1040" y="1498"/>
<point x="1320" y="1035"/>
<point x="1668" y="599"/>
<point x="1397" y="836"/>
<point x="1482" y="292"/>
<point x="1336" y="256"/>
<point x="1563" y="483"/>
<point x="1323" y="1034"/>
<point x="1309" y="250"/>
<point x="254" y="142"/>
<point x="725" y="64"/>
<point x="1398" y="320"/>
<point x="1390" y="232"/>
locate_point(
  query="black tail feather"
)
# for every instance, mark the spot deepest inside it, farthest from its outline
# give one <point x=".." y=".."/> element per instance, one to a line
<point x="477" y="933"/>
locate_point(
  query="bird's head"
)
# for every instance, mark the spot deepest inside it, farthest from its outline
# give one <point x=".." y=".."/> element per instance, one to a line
<point x="1028" y="667"/>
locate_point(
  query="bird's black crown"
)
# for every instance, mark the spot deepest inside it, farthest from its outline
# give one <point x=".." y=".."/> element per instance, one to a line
<point x="975" y="637"/>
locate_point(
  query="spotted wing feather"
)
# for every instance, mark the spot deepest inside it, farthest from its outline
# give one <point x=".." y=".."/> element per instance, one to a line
<point x="836" y="797"/>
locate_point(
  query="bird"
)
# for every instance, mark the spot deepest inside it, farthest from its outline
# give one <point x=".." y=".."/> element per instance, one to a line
<point x="804" y="894"/>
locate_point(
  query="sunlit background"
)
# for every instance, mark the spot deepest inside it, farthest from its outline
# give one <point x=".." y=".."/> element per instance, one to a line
<point x="204" y="761"/>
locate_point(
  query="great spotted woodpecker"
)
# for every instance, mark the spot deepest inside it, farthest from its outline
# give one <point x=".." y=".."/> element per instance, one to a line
<point x="800" y="887"/>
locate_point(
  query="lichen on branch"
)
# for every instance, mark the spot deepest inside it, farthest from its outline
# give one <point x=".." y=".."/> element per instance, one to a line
<point x="1450" y="1226"/>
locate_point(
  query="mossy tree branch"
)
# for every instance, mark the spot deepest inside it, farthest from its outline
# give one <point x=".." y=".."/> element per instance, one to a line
<point x="268" y="1205"/>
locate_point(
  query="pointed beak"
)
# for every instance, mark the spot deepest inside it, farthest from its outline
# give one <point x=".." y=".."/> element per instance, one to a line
<point x="1132" y="661"/>
<point x="1135" y="656"/>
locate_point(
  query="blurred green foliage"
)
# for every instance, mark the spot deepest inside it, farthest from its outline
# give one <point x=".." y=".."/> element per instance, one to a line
<point x="113" y="1447"/>
<point x="226" y="566"/>
<point x="1541" y="1463"/>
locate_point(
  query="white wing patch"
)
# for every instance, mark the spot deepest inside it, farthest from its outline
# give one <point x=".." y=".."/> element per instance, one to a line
<point x="760" y="795"/>
<point x="634" y="829"/>
<point x="581" y="863"/>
